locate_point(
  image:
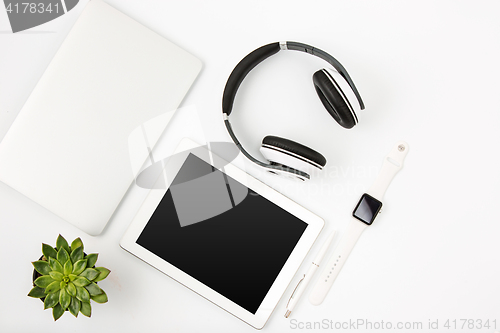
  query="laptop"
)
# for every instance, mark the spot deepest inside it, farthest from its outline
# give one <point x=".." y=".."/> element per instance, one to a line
<point x="68" y="149"/>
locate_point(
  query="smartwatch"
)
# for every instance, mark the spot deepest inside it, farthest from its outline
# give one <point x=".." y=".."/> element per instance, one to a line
<point x="364" y="214"/>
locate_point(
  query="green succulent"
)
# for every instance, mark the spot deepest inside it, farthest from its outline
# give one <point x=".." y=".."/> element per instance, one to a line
<point x="68" y="278"/>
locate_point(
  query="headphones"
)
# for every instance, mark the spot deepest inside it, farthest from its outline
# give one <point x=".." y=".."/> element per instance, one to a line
<point x="336" y="91"/>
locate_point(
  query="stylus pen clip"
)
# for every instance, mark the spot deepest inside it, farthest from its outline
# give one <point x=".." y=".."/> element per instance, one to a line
<point x="293" y="293"/>
<point x="291" y="296"/>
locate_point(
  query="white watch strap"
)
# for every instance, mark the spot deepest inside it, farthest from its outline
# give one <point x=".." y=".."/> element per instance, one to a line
<point x="393" y="162"/>
<point x="337" y="260"/>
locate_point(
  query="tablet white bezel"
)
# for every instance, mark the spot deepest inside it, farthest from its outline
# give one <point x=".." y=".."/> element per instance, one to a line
<point x="257" y="320"/>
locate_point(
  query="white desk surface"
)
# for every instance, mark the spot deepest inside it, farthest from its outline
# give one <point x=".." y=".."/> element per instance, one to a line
<point x="428" y="73"/>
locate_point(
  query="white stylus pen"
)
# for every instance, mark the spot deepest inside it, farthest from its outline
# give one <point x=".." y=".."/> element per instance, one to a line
<point x="301" y="286"/>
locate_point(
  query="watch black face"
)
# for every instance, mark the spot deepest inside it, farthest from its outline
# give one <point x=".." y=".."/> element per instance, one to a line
<point x="367" y="209"/>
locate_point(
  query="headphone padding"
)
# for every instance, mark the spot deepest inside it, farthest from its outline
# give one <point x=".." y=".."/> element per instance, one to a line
<point x="332" y="100"/>
<point x="296" y="148"/>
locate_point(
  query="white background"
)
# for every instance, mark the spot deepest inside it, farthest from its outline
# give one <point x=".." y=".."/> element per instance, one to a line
<point x="428" y="73"/>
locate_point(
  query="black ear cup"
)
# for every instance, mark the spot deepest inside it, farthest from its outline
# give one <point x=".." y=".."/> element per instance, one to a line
<point x="334" y="98"/>
<point x="288" y="152"/>
<point x="336" y="91"/>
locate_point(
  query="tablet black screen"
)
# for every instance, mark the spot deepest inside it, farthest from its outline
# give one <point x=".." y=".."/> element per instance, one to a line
<point x="221" y="233"/>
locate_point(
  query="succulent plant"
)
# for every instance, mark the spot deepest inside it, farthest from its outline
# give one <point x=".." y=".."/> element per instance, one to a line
<point x="67" y="279"/>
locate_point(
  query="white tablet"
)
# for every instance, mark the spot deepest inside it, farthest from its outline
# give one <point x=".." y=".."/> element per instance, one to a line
<point x="222" y="233"/>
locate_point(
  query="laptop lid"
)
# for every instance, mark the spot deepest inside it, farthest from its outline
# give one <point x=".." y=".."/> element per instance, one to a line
<point x="68" y="149"/>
